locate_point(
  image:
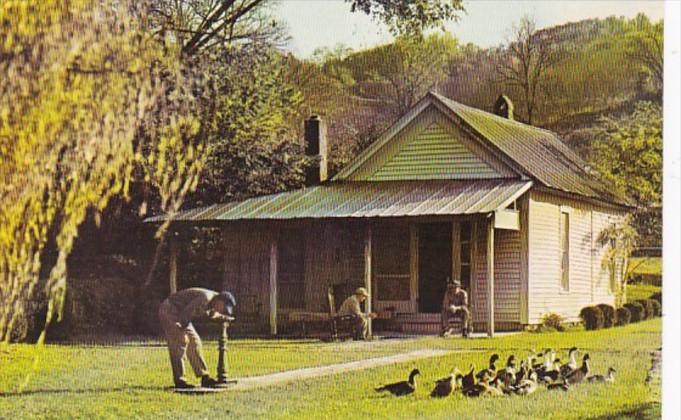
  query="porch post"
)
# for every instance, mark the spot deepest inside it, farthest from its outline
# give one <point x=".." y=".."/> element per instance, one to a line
<point x="172" y="278"/>
<point x="490" y="276"/>
<point x="367" y="273"/>
<point x="274" y="254"/>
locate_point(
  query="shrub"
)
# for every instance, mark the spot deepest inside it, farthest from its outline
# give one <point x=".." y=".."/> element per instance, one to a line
<point x="552" y="322"/>
<point x="623" y="316"/>
<point x="592" y="317"/>
<point x="608" y="315"/>
<point x="648" y="309"/>
<point x="656" y="307"/>
<point x="657" y="296"/>
<point x="637" y="311"/>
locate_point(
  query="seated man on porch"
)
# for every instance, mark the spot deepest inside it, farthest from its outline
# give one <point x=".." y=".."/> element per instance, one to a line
<point x="350" y="306"/>
<point x="455" y="305"/>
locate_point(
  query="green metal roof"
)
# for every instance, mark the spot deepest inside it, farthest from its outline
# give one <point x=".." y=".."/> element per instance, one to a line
<point x="537" y="153"/>
<point x="367" y="199"/>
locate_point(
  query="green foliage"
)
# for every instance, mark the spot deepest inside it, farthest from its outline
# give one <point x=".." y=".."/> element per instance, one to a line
<point x="627" y="153"/>
<point x="252" y="144"/>
<point x="636" y="310"/>
<point x="609" y="315"/>
<point x="75" y="83"/>
<point x="623" y="316"/>
<point x="592" y="316"/>
<point x="645" y="47"/>
<point x="409" y="17"/>
<point x="619" y="240"/>
<point x="552" y="322"/>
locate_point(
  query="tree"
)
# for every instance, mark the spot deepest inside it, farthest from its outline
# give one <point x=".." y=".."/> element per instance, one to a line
<point x="525" y="62"/>
<point x="645" y="46"/>
<point x="409" y="17"/>
<point x="78" y="82"/>
<point x="402" y="72"/>
<point x="626" y="152"/>
<point x="211" y="26"/>
<point x="619" y="240"/>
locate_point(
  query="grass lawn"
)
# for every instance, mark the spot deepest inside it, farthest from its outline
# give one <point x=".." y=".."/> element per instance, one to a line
<point x="129" y="380"/>
<point x="641" y="291"/>
<point x="646" y="265"/>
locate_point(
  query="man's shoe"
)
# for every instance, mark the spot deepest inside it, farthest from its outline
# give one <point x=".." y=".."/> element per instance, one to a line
<point x="180" y="384"/>
<point x="208" y="382"/>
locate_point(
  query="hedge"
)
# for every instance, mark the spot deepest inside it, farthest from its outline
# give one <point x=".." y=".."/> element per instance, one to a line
<point x="608" y="315"/>
<point x="656" y="307"/>
<point x="648" y="308"/>
<point x="592" y="317"/>
<point x="623" y="316"/>
<point x="637" y="311"/>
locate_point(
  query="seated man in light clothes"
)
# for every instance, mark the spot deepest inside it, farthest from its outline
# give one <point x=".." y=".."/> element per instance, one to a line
<point x="176" y="314"/>
<point x="455" y="304"/>
<point x="350" y="306"/>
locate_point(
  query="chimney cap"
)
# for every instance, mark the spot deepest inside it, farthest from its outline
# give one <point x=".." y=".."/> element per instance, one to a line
<point x="503" y="107"/>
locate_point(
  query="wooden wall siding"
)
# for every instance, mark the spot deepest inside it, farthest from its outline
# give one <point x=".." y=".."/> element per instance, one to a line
<point x="334" y="254"/>
<point x="431" y="147"/>
<point x="545" y="293"/>
<point x="246" y="264"/>
<point x="434" y="153"/>
<point x="507" y="276"/>
<point x="507" y="285"/>
<point x="479" y="286"/>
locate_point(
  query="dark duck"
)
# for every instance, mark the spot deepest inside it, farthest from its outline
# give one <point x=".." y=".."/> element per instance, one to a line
<point x="401" y="388"/>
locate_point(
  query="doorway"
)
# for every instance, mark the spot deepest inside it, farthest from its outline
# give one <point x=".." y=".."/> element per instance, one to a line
<point x="434" y="265"/>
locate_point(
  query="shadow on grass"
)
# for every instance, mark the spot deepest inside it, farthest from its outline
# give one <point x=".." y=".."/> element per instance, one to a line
<point x="651" y="410"/>
<point x="82" y="391"/>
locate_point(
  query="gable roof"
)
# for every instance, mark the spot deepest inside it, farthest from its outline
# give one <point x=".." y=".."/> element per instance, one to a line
<point x="536" y="153"/>
<point x="433" y="153"/>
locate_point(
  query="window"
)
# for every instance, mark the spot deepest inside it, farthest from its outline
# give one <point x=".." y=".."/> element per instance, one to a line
<point x="291" y="286"/>
<point x="465" y="237"/>
<point x="565" y="251"/>
<point x="390" y="249"/>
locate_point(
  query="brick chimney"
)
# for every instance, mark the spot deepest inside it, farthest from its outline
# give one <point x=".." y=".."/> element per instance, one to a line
<point x="316" y="148"/>
<point x="503" y="107"/>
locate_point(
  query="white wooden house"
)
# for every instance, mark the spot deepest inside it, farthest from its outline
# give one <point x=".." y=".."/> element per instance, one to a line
<point x="449" y="191"/>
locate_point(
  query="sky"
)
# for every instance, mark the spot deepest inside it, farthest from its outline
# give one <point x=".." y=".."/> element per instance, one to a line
<point x="324" y="23"/>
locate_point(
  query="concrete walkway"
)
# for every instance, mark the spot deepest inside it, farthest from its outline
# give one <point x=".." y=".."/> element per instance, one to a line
<point x="253" y="382"/>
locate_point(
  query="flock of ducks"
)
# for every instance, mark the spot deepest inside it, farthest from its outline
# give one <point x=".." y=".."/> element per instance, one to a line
<point x="522" y="379"/>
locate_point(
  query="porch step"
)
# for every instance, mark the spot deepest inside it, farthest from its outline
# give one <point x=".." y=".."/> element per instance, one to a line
<point x="423" y="323"/>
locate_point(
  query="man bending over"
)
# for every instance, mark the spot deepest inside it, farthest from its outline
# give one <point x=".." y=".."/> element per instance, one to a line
<point x="176" y="314"/>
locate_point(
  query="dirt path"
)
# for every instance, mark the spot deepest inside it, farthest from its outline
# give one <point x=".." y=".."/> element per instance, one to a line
<point x="314" y="372"/>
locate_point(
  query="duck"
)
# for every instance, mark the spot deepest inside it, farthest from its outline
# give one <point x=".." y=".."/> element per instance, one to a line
<point x="522" y="372"/>
<point x="548" y="363"/>
<point x="571" y="364"/>
<point x="609" y="377"/>
<point x="527" y="386"/>
<point x="552" y="374"/>
<point x="401" y="388"/>
<point x="445" y="386"/>
<point x="482" y="388"/>
<point x="580" y="374"/>
<point x="562" y="385"/>
<point x="468" y="380"/>
<point x="507" y="376"/>
<point x="491" y="370"/>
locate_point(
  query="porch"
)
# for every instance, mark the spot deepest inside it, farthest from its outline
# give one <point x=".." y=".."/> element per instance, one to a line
<point x="402" y="242"/>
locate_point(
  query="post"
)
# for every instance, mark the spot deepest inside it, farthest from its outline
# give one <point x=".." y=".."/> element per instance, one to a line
<point x="367" y="274"/>
<point x="490" y="276"/>
<point x="173" y="264"/>
<point x="273" y="285"/>
<point x="222" y="378"/>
